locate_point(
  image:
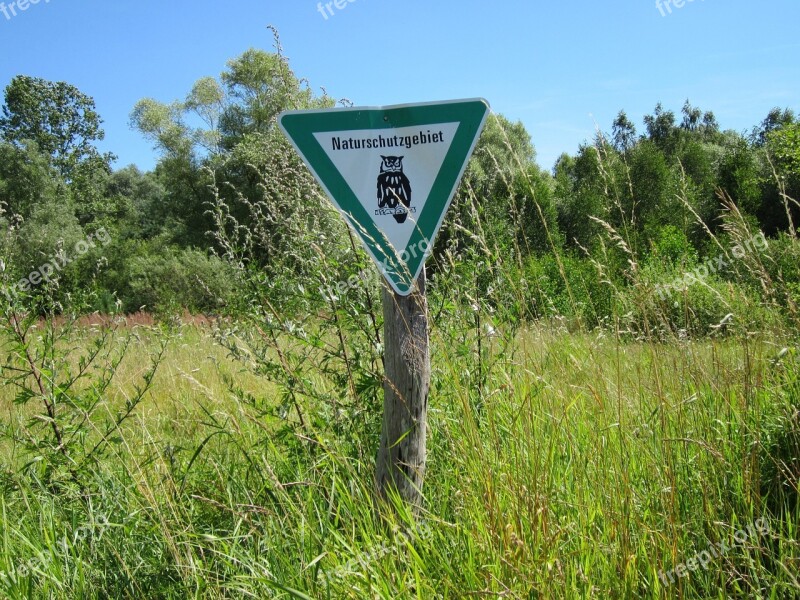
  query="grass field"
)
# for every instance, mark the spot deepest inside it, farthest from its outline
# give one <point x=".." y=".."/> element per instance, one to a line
<point x="584" y="467"/>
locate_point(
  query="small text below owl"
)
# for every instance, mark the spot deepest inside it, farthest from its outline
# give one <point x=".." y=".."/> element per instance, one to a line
<point x="328" y="9"/>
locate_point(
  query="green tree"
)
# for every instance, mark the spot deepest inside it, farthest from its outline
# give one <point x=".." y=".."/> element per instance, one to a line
<point x="775" y="120"/>
<point x="623" y="133"/>
<point x="782" y="190"/>
<point x="784" y="145"/>
<point x="579" y="194"/>
<point x="58" y="117"/>
<point x="661" y="129"/>
<point x="237" y="113"/>
<point x="207" y="101"/>
<point x="26" y="177"/>
<point x="740" y="175"/>
<point x="259" y="86"/>
<point x="63" y="124"/>
<point x="699" y="122"/>
<point x="143" y="196"/>
<point x="180" y="171"/>
<point x="653" y="203"/>
<point x="533" y="213"/>
<point x="485" y="198"/>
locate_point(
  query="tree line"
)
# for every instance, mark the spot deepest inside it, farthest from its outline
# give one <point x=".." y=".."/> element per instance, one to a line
<point x="632" y="208"/>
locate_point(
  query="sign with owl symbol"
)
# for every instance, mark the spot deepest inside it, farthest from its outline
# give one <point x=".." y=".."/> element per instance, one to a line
<point x="394" y="189"/>
<point x="417" y="152"/>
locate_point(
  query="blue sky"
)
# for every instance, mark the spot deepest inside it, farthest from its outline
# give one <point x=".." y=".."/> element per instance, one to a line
<point x="561" y="67"/>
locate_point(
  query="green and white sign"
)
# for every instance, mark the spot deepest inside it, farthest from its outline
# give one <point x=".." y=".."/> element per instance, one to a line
<point x="392" y="172"/>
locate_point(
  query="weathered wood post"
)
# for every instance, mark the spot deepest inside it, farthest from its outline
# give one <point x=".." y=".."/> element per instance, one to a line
<point x="407" y="382"/>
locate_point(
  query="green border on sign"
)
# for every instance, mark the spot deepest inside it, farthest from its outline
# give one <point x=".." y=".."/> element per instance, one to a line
<point x="300" y="127"/>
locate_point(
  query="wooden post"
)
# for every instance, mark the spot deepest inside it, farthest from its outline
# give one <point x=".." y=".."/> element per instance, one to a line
<point x="406" y="385"/>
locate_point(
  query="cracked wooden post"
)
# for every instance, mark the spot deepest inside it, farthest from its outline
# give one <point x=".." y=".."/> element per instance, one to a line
<point x="406" y="385"/>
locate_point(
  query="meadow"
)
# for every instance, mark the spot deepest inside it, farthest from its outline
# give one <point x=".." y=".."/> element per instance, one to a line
<point x="587" y="465"/>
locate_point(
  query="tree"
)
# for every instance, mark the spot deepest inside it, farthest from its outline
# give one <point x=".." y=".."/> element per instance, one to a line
<point x="259" y="86"/>
<point x="661" y="128"/>
<point x="26" y="178"/>
<point x="485" y="198"/>
<point x="654" y="200"/>
<point x="784" y="144"/>
<point x="782" y="191"/>
<point x="503" y="149"/>
<point x="776" y="119"/>
<point x="58" y="117"/>
<point x="163" y="125"/>
<point x="695" y="120"/>
<point x="238" y="137"/>
<point x="533" y="212"/>
<point x="144" y="196"/>
<point x="207" y="100"/>
<point x="739" y="175"/>
<point x="623" y="133"/>
<point x="692" y="117"/>
<point x="182" y="211"/>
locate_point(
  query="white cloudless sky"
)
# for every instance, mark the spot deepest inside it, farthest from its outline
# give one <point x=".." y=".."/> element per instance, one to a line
<point x="562" y="67"/>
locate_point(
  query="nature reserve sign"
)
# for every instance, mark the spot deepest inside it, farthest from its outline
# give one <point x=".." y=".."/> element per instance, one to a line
<point x="391" y="171"/>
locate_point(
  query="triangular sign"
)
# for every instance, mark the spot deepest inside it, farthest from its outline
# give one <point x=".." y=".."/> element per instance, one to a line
<point x="392" y="172"/>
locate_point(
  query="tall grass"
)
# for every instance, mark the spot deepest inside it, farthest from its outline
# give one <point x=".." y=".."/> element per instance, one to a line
<point x="589" y="466"/>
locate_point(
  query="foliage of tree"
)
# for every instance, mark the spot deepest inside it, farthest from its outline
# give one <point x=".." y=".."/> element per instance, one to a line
<point x="61" y="119"/>
<point x="27" y="178"/>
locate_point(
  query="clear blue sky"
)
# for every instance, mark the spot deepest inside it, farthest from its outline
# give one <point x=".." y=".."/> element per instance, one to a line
<point x="560" y="66"/>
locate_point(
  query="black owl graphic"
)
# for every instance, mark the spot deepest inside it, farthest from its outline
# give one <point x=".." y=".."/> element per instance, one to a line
<point x="394" y="188"/>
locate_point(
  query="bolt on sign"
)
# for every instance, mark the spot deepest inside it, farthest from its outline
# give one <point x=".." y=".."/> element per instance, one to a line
<point x="392" y="172"/>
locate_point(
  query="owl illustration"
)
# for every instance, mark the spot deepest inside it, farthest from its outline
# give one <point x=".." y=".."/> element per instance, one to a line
<point x="393" y="187"/>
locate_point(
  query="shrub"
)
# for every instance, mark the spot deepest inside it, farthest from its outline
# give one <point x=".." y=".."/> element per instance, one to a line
<point x="176" y="279"/>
